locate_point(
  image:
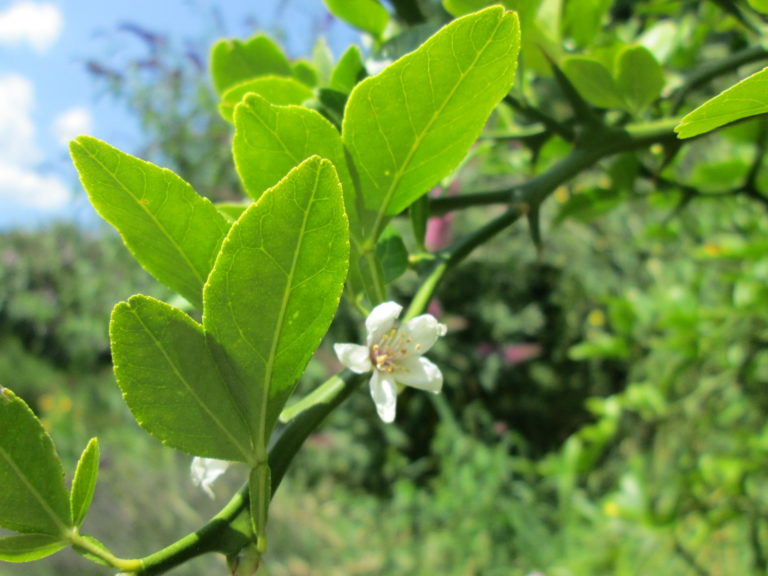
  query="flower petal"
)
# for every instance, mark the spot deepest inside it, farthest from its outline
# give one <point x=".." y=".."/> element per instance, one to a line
<point x="355" y="357"/>
<point x="381" y="320"/>
<point x="423" y="331"/>
<point x="205" y="471"/>
<point x="384" y="394"/>
<point x="420" y="373"/>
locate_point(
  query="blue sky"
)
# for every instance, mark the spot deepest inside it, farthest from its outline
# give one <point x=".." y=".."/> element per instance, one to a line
<point x="47" y="97"/>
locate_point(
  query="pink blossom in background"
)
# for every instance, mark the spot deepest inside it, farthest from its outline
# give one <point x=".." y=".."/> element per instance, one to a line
<point x="439" y="232"/>
<point x="512" y="354"/>
<point x="440" y="228"/>
<point x="519" y="353"/>
<point x="435" y="308"/>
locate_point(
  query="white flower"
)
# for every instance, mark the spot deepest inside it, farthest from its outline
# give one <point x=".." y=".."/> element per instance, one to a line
<point x="394" y="354"/>
<point x="205" y="471"/>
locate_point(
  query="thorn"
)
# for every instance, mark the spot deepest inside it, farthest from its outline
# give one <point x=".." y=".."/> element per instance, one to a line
<point x="580" y="107"/>
<point x="534" y="224"/>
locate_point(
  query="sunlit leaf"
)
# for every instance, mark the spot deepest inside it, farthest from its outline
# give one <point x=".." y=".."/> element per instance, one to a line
<point x="172" y="383"/>
<point x="348" y="71"/>
<point x="33" y="498"/>
<point x="322" y="59"/>
<point x="367" y="15"/>
<point x="461" y="7"/>
<point x="171" y="230"/>
<point x="747" y="98"/>
<point x="234" y="61"/>
<point x="231" y="210"/>
<point x="271" y="140"/>
<point x="276" y="285"/>
<point x="305" y="72"/>
<point x="279" y="90"/>
<point x="410" y="125"/>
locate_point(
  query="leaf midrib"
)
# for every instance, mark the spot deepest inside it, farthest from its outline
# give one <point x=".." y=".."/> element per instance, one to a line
<point x="268" y="369"/>
<point x="235" y="441"/>
<point x="399" y="174"/>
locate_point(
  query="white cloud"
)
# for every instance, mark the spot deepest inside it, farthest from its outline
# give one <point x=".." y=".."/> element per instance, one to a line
<point x="72" y="123"/>
<point x="37" y="24"/>
<point x="17" y="132"/>
<point x="27" y="188"/>
<point x="20" y="183"/>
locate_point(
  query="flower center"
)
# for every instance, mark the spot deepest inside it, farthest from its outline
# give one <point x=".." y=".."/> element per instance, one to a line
<point x="390" y="350"/>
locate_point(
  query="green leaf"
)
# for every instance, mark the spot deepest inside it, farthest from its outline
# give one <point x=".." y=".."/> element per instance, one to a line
<point x="392" y="255"/>
<point x="458" y="8"/>
<point x="348" y="72"/>
<point x="367" y="15"/>
<point x="747" y="98"/>
<point x="84" y="482"/>
<point x="171" y="381"/>
<point x="322" y="58"/>
<point x="231" y="210"/>
<point x="234" y="61"/>
<point x="410" y="125"/>
<point x="593" y="81"/>
<point x="584" y="19"/>
<point x="639" y="77"/>
<point x="172" y="231"/>
<point x="759" y="5"/>
<point x="276" y="89"/>
<point x="271" y="140"/>
<point x="305" y="72"/>
<point x="33" y="498"/>
<point x="276" y="285"/>
<point x="29" y="547"/>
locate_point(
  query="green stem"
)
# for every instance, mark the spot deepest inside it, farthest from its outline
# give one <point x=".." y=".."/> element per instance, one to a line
<point x="288" y="440"/>
<point x="597" y="144"/>
<point x="219" y="534"/>
<point x="323" y="394"/>
<point x="444" y="204"/>
<point x="86" y="545"/>
<point x="461" y="250"/>
<point x="552" y="125"/>
<point x="601" y="143"/>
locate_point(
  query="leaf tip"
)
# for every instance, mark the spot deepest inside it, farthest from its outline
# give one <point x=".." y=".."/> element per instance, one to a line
<point x="683" y="130"/>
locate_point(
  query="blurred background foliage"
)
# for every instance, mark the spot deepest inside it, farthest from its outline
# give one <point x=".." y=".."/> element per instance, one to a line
<point x="605" y="400"/>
